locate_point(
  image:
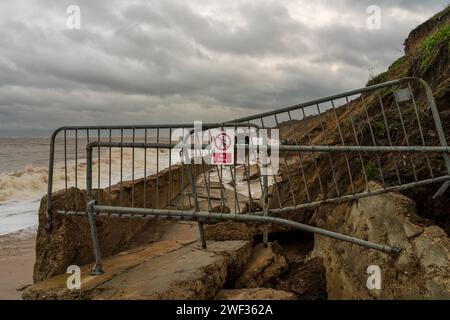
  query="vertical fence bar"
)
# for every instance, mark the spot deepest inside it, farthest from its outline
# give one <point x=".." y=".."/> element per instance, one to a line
<point x="51" y="161"/>
<point x="357" y="143"/>
<point x="288" y="173"/>
<point x="316" y="166"/>
<point x="366" y="111"/>
<point x="110" y="171"/>
<point x="325" y="140"/>
<point x="65" y="169"/>
<point x="170" y="167"/>
<point x="416" y="112"/>
<point x="275" y="182"/>
<point x="132" y="169"/>
<point x="247" y="177"/>
<point x="98" y="161"/>
<point x="437" y="121"/>
<point x="90" y="203"/>
<point x="76" y="170"/>
<point x="302" y="172"/>
<point x="251" y="143"/>
<point x="237" y="208"/>
<point x="145" y="169"/>
<point x="182" y="171"/>
<point x="343" y="143"/>
<point x="196" y="202"/>
<point x="121" y="168"/>
<point x="386" y="124"/>
<point x="441" y="134"/>
<point x="157" y="171"/>
<point x="406" y="136"/>
<point x="266" y="207"/>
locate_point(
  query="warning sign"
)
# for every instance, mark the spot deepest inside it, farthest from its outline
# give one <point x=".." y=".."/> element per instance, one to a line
<point x="223" y="147"/>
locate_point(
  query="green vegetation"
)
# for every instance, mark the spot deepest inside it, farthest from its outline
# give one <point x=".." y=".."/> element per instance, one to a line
<point x="439" y="15"/>
<point x="371" y="170"/>
<point x="431" y="47"/>
<point x="397" y="70"/>
<point x="399" y="62"/>
<point x="379" y="129"/>
<point x="382" y="77"/>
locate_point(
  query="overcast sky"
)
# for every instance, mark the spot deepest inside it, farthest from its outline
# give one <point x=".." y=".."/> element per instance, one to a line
<point x="169" y="61"/>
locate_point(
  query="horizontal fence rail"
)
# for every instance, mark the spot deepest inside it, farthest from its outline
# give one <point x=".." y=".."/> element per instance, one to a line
<point x="381" y="138"/>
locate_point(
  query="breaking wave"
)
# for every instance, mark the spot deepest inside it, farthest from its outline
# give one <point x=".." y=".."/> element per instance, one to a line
<point x="21" y="190"/>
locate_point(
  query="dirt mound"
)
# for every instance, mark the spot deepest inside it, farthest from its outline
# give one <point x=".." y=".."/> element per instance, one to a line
<point x="229" y="230"/>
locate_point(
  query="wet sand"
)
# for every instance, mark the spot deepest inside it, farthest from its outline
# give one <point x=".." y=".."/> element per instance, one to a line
<point x="17" y="256"/>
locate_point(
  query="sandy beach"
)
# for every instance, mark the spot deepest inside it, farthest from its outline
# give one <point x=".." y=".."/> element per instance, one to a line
<point x="17" y="255"/>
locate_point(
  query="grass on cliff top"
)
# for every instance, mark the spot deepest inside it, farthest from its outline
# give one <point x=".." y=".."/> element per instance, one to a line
<point x="398" y="69"/>
<point x="431" y="46"/>
<point x="437" y="16"/>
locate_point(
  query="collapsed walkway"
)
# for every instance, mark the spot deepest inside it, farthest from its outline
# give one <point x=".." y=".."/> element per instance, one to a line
<point x="168" y="269"/>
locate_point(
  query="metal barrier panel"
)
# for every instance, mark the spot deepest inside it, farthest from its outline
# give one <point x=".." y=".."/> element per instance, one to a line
<point x="115" y="169"/>
<point x="400" y="113"/>
<point x="330" y="150"/>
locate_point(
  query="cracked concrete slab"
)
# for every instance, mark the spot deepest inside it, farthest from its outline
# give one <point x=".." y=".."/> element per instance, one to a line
<point x="161" y="270"/>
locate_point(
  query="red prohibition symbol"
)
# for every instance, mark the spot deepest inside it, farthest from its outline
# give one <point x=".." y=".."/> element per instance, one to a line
<point x="222" y="141"/>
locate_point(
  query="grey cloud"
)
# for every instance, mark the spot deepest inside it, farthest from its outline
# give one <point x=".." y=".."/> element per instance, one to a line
<point x="410" y="5"/>
<point x="170" y="61"/>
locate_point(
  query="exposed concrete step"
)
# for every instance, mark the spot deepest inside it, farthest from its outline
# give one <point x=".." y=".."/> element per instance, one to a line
<point x="161" y="270"/>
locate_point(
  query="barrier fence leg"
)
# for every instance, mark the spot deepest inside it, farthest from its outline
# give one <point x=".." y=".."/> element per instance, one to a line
<point x="97" y="269"/>
<point x="265" y="209"/>
<point x="196" y="204"/>
<point x="202" y="234"/>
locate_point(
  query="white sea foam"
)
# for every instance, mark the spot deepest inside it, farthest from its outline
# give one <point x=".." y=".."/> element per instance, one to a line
<point x="21" y="190"/>
<point x="18" y="215"/>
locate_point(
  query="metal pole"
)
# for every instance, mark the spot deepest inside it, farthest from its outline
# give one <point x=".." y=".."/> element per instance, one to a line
<point x="51" y="161"/>
<point x="90" y="206"/>
<point x="266" y="208"/>
<point x="189" y="170"/>
<point x="212" y="216"/>
<point x="196" y="204"/>
<point x="440" y="132"/>
<point x="292" y="148"/>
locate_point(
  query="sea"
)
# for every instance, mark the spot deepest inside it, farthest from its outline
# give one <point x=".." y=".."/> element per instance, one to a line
<point x="24" y="175"/>
<point x="23" y="181"/>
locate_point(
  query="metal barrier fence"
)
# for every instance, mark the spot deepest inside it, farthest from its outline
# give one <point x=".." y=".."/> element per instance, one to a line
<point x="67" y="164"/>
<point x="330" y="149"/>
